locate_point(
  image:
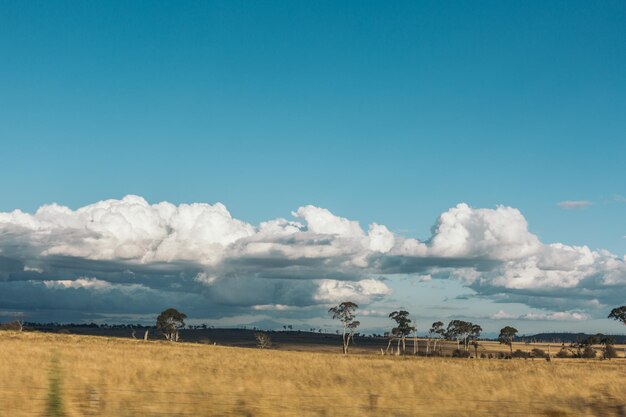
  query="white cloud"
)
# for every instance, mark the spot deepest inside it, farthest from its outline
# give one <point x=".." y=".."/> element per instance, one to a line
<point x="470" y="233"/>
<point x="131" y="229"/>
<point x="201" y="252"/>
<point x="558" y="316"/>
<point x="543" y="316"/>
<point x="501" y="315"/>
<point x="322" y="221"/>
<point x="86" y="283"/>
<point x="91" y="284"/>
<point x="273" y="307"/>
<point x="574" y="204"/>
<point x="380" y="238"/>
<point x="333" y="291"/>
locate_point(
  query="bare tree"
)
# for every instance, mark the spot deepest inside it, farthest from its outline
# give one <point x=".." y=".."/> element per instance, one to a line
<point x="345" y="313"/>
<point x="263" y="340"/>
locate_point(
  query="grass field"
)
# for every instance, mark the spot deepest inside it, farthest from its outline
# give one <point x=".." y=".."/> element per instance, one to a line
<point x="67" y="375"/>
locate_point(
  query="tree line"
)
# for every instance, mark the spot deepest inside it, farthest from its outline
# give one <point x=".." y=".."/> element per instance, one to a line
<point x="465" y="334"/>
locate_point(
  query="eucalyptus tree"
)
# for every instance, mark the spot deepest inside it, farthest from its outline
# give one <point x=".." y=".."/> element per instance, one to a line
<point x="352" y="326"/>
<point x="169" y="322"/>
<point x="345" y="313"/>
<point x="403" y="327"/>
<point x="459" y="330"/>
<point x="474" y="334"/>
<point x="607" y="342"/>
<point x="436" y="332"/>
<point x="619" y="314"/>
<point x="507" y="334"/>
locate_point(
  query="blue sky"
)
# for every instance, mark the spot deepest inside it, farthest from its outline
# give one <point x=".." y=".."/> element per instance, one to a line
<point x="379" y="112"/>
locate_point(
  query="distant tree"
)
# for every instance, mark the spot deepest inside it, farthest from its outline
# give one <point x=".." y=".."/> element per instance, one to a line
<point x="619" y="314"/>
<point x="436" y="331"/>
<point x="263" y="340"/>
<point x="459" y="330"/>
<point x="345" y="313"/>
<point x="15" y="325"/>
<point x="169" y="322"/>
<point x="607" y="342"/>
<point x="588" y="352"/>
<point x="403" y="327"/>
<point x="474" y="334"/>
<point x="507" y="334"/>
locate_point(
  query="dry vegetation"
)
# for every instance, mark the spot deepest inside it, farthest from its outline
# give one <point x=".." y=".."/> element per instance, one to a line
<point x="116" y="377"/>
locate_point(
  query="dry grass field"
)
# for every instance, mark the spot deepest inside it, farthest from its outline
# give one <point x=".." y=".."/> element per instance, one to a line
<point x="68" y="375"/>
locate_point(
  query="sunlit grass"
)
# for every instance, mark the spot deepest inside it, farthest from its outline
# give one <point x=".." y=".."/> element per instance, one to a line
<point x="123" y="377"/>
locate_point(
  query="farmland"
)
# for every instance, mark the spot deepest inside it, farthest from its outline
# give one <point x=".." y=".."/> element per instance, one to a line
<point x="72" y="375"/>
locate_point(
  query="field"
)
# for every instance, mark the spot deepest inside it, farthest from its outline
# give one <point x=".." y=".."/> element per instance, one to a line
<point x="68" y="375"/>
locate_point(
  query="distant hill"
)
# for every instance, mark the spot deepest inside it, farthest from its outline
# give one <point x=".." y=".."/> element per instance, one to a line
<point x="567" y="337"/>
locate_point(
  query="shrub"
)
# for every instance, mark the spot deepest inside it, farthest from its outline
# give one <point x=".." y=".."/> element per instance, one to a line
<point x="588" y="352"/>
<point x="563" y="353"/>
<point x="538" y="353"/>
<point x="609" y="352"/>
<point x="12" y="325"/>
<point x="520" y="354"/>
<point x="458" y="353"/>
<point x="490" y="356"/>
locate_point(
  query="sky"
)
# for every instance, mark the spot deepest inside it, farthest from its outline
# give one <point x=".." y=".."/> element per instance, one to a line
<point x="255" y="162"/>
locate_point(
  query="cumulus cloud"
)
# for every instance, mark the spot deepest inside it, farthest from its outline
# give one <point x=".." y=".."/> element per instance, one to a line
<point x="574" y="204"/>
<point x="333" y="291"/>
<point x="141" y="252"/>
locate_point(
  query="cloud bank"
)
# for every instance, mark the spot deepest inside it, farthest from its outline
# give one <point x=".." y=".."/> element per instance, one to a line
<point x="129" y="256"/>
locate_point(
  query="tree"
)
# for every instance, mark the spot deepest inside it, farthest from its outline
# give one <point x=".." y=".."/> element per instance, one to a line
<point x="459" y="330"/>
<point x="608" y="351"/>
<point x="263" y="340"/>
<point x="16" y="325"/>
<point x="619" y="314"/>
<point x="403" y="328"/>
<point x="474" y="333"/>
<point x="507" y="334"/>
<point x="436" y="331"/>
<point x="169" y="322"/>
<point x="345" y="313"/>
<point x="352" y="327"/>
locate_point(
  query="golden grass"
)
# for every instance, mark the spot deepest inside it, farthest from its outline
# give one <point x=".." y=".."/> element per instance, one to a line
<point x="121" y="377"/>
